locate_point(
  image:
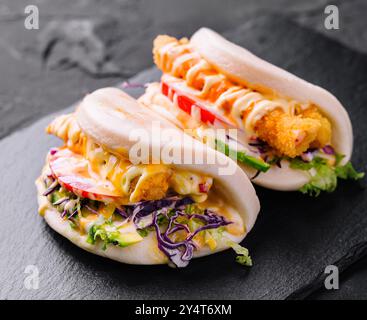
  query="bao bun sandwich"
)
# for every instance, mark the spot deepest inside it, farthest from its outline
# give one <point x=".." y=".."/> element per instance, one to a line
<point x="96" y="194"/>
<point x="291" y="134"/>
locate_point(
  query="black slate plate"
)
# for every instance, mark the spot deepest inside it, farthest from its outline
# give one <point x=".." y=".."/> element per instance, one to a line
<point x="294" y="238"/>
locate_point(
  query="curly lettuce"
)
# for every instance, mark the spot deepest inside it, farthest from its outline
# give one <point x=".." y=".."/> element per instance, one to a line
<point x="243" y="257"/>
<point x="109" y="234"/>
<point x="323" y="176"/>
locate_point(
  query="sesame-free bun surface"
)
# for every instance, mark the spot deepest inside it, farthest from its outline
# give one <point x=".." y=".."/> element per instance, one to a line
<point x="108" y="116"/>
<point x="245" y="68"/>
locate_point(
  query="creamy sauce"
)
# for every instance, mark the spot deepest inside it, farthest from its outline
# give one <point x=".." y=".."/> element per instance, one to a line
<point x="216" y="203"/>
<point x="135" y="181"/>
<point x="241" y="106"/>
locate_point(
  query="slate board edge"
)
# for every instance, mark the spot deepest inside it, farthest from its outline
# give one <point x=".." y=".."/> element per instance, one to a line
<point x="353" y="255"/>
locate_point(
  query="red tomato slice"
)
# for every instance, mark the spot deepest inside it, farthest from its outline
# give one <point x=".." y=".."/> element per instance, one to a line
<point x="186" y="104"/>
<point x="165" y="89"/>
<point x="74" y="173"/>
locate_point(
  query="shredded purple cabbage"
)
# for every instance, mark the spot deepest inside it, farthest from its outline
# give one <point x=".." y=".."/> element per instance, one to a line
<point x="121" y="212"/>
<point x="60" y="201"/>
<point x="64" y="213"/>
<point x="180" y="253"/>
<point x="53" y="151"/>
<point x="255" y="175"/>
<point x="307" y="156"/>
<point x="144" y="208"/>
<point x="91" y="209"/>
<point x="328" y="150"/>
<point x="52" y="187"/>
<point x="260" y="145"/>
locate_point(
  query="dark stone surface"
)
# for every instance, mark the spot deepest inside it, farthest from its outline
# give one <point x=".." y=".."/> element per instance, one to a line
<point x="294" y="239"/>
<point x="47" y="69"/>
<point x="353" y="284"/>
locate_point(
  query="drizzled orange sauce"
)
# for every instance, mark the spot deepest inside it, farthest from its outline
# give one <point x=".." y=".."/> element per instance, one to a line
<point x="179" y="59"/>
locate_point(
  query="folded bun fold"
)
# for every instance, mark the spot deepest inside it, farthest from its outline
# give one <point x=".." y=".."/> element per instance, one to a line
<point x="101" y="196"/>
<point x="290" y="135"/>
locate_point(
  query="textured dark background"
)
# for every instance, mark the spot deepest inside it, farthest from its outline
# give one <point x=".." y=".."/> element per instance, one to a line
<point x="83" y="45"/>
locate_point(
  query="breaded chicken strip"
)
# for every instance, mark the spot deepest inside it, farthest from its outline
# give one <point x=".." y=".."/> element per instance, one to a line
<point x="160" y="42"/>
<point x="153" y="188"/>
<point x="290" y="135"/>
<point x="66" y="128"/>
<point x="324" y="134"/>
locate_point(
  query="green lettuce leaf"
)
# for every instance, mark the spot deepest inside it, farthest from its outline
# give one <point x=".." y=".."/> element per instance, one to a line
<point x="323" y="176"/>
<point x="243" y="256"/>
<point x="114" y="237"/>
<point x="348" y="172"/>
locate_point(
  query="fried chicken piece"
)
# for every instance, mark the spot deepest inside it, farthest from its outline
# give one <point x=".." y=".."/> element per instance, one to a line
<point x="324" y="134"/>
<point x="66" y="128"/>
<point x="289" y="135"/>
<point x="160" y="42"/>
<point x="152" y="188"/>
<point x="63" y="127"/>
